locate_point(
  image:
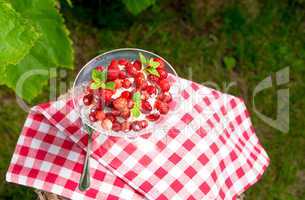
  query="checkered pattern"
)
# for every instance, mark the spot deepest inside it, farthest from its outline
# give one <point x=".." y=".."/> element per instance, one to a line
<point x="209" y="150"/>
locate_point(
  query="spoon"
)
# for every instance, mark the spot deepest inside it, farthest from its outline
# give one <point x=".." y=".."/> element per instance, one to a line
<point x="84" y="181"/>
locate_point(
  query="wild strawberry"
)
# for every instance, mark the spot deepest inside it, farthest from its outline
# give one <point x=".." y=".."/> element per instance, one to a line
<point x="145" y="106"/>
<point x="136" y="126"/>
<point x="120" y="103"/>
<point x="165" y="97"/>
<point x="153" y="78"/>
<point x="164" y="85"/>
<point x="106" y="124"/>
<point x="144" y="95"/>
<point x="131" y="70"/>
<point x="162" y="72"/>
<point x="118" y="83"/>
<point x="122" y="75"/>
<point x="139" y="79"/>
<point x="88" y="90"/>
<point x="137" y="64"/>
<point x="144" y="85"/>
<point x="126" y="83"/>
<point x="151" y="89"/>
<point x="125" y="126"/>
<point x="106" y="95"/>
<point x="159" y="60"/>
<point x="115" y="113"/>
<point x="126" y="95"/>
<point x="116" y="126"/>
<point x="92" y="117"/>
<point x="143" y="123"/>
<point x="163" y="108"/>
<point x="100" y="68"/>
<point x="130" y="103"/>
<point x="125" y="113"/>
<point x="100" y="115"/>
<point x="113" y="70"/>
<point x="87" y="99"/>
<point x="153" y="117"/>
<point x="110" y="117"/>
<point x="123" y="61"/>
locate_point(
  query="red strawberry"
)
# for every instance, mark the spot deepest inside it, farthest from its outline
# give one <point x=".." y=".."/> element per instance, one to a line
<point x="113" y="70"/>
<point x="162" y="107"/>
<point x="153" y="78"/>
<point x="126" y="83"/>
<point x="87" y="99"/>
<point x="139" y="79"/>
<point x="131" y="70"/>
<point x="145" y="105"/>
<point x="137" y="64"/>
<point x="165" y="97"/>
<point x="153" y="117"/>
<point x="164" y="85"/>
<point x="123" y="61"/>
<point x="126" y="95"/>
<point x="120" y="103"/>
<point x="116" y="126"/>
<point x="143" y="123"/>
<point x="100" y="68"/>
<point x="163" y="73"/>
<point x="125" y="113"/>
<point x="110" y="117"/>
<point x="122" y="75"/>
<point x="136" y="126"/>
<point x="151" y="89"/>
<point x="106" y="95"/>
<point x="92" y="117"/>
<point x="125" y="126"/>
<point x="106" y="124"/>
<point x="100" y="115"/>
<point x="159" y="60"/>
<point x="130" y="104"/>
<point x="118" y="83"/>
<point x="115" y="113"/>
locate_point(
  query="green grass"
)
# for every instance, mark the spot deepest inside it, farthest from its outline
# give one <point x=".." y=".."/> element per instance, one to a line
<point x="261" y="36"/>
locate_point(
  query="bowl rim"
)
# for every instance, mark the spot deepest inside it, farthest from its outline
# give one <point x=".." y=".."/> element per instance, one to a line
<point x="101" y="55"/>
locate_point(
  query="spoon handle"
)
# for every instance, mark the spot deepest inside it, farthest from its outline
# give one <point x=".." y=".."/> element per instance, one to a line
<point x="84" y="181"/>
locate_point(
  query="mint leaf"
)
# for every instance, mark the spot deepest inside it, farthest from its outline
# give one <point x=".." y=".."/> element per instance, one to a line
<point x="110" y="85"/>
<point x="153" y="64"/>
<point x="98" y="75"/>
<point x="135" y="111"/>
<point x="142" y="59"/>
<point x="137" y="98"/>
<point x="95" y="85"/>
<point x="153" y="71"/>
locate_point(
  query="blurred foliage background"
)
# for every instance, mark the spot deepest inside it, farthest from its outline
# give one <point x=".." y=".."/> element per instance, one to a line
<point x="220" y="41"/>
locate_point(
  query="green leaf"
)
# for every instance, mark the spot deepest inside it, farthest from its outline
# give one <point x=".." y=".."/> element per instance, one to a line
<point x="137" y="6"/>
<point x="142" y="59"/>
<point x="229" y="62"/>
<point x="95" y="85"/>
<point x="110" y="85"/>
<point x="53" y="49"/>
<point x="17" y="35"/>
<point x="153" y="63"/>
<point x="135" y="111"/>
<point x="137" y="98"/>
<point x="98" y="75"/>
<point x="153" y="71"/>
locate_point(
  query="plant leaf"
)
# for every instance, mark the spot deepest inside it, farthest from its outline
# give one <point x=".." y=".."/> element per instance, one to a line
<point x="153" y="63"/>
<point x="52" y="49"/>
<point x="142" y="59"/>
<point x="17" y="35"/>
<point x="229" y="62"/>
<point x="135" y="111"/>
<point x="98" y="75"/>
<point x="153" y="71"/>
<point x="137" y="6"/>
<point x="137" y="98"/>
<point x="95" y="85"/>
<point x="110" y="85"/>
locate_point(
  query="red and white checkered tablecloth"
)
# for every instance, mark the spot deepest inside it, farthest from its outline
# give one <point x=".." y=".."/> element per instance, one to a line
<point x="210" y="152"/>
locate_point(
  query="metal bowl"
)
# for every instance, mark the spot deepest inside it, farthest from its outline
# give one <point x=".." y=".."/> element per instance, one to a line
<point x="84" y="76"/>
